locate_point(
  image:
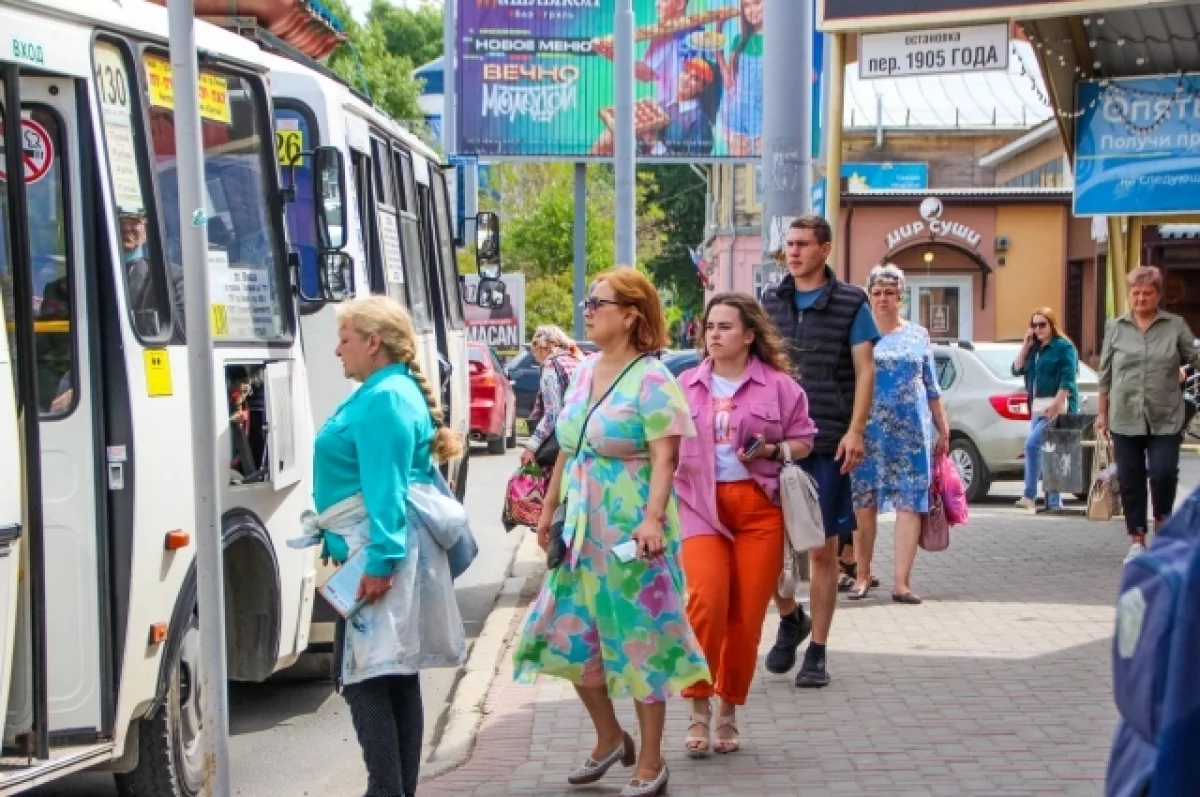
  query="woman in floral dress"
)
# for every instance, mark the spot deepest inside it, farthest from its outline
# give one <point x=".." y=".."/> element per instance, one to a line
<point x="900" y="443"/>
<point x="612" y="625"/>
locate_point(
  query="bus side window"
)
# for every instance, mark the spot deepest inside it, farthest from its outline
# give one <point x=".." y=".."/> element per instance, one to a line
<point x="443" y="233"/>
<point x="141" y="265"/>
<point x="293" y="135"/>
<point x="53" y="284"/>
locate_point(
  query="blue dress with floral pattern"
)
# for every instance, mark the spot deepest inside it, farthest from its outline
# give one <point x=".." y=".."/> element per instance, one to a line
<point x="898" y="464"/>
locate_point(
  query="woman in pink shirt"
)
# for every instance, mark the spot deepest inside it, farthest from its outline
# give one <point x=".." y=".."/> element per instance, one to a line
<point x="744" y="403"/>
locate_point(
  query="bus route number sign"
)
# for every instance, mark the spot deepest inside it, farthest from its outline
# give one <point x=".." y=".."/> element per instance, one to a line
<point x="288" y="145"/>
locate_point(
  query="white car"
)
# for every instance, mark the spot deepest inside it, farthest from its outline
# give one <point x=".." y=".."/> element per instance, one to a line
<point x="988" y="410"/>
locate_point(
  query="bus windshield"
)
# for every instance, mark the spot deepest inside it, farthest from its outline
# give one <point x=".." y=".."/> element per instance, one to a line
<point x="245" y="286"/>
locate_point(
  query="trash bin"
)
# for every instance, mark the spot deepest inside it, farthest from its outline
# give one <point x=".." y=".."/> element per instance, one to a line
<point x="1066" y="463"/>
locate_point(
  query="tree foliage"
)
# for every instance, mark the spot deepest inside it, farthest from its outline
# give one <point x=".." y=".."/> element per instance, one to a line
<point x="537" y="204"/>
<point x="680" y="194"/>
<point x="415" y="33"/>
<point x="379" y="57"/>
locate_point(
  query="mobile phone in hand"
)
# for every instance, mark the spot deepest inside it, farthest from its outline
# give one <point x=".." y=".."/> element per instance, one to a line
<point x="752" y="447"/>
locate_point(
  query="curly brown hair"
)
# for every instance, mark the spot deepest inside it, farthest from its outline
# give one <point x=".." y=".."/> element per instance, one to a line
<point x="767" y="346"/>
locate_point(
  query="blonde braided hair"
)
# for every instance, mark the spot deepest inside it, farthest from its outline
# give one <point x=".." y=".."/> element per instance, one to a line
<point x="383" y="316"/>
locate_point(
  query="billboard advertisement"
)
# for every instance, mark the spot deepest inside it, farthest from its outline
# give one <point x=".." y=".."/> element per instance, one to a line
<point x="535" y="78"/>
<point x="856" y="15"/>
<point x="502" y="328"/>
<point x="1137" y="146"/>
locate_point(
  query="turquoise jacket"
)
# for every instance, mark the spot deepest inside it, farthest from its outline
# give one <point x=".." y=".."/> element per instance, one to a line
<point x="1051" y="368"/>
<point x="377" y="443"/>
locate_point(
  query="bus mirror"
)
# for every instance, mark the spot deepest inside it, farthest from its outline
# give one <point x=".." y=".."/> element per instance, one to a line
<point x="491" y="293"/>
<point x="337" y="274"/>
<point x="329" y="189"/>
<point x="487" y="244"/>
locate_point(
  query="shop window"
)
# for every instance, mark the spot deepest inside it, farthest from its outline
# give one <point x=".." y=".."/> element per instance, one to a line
<point x="766" y="276"/>
<point x="1048" y="175"/>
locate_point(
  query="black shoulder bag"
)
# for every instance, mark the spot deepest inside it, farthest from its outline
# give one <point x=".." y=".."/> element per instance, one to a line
<point x="556" y="551"/>
<point x="547" y="453"/>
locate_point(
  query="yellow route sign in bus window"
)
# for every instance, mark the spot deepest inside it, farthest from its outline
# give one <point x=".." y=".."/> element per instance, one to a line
<point x="220" y="320"/>
<point x="289" y="144"/>
<point x="158" y="372"/>
<point x="213" y="91"/>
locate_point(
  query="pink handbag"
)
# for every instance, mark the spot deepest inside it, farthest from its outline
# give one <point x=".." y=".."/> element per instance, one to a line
<point x="954" y="495"/>
<point x="935" y="528"/>
<point x="524" y="497"/>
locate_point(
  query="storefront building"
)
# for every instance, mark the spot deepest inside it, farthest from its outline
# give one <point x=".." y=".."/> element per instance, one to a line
<point x="975" y="209"/>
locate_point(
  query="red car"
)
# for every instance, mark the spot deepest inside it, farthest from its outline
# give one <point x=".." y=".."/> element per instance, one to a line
<point x="493" y="402"/>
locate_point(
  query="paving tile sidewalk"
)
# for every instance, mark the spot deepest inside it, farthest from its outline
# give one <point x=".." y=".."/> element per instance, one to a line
<point x="998" y="685"/>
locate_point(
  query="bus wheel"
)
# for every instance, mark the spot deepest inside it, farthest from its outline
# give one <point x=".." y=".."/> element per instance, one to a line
<point x="170" y="758"/>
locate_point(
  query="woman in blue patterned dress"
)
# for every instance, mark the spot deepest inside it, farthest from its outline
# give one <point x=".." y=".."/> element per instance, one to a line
<point x="900" y="443"/>
<point x="608" y="619"/>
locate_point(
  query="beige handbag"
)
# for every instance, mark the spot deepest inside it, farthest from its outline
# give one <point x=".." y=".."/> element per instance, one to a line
<point x="1104" y="496"/>
<point x="801" y="518"/>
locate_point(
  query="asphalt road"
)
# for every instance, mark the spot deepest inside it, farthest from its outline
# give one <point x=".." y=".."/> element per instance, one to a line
<point x="292" y="737"/>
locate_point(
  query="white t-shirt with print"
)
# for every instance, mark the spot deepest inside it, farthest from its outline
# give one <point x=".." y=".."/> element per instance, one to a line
<point x="729" y="467"/>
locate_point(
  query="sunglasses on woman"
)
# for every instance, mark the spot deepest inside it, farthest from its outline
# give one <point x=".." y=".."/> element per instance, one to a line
<point x="1039" y="325"/>
<point x="592" y="304"/>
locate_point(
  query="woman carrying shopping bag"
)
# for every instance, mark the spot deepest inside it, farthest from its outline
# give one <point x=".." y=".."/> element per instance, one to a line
<point x="905" y="435"/>
<point x="746" y="408"/>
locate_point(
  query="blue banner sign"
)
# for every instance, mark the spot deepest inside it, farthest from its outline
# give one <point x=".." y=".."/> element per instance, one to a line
<point x="884" y="176"/>
<point x="1137" y="146"/>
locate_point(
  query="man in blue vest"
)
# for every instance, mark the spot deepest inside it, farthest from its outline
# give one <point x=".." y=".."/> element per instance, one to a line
<point x="831" y="339"/>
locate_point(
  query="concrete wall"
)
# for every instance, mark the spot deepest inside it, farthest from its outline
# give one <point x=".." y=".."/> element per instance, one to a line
<point x="1034" y="274"/>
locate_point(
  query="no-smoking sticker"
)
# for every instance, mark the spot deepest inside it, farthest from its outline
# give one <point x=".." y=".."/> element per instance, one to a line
<point x="37" y="153"/>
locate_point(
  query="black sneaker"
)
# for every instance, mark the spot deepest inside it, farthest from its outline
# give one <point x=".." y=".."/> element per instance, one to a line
<point x="812" y="673"/>
<point x="793" y="628"/>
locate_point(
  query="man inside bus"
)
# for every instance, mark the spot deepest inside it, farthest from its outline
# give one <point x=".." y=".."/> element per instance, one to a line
<point x="139" y="279"/>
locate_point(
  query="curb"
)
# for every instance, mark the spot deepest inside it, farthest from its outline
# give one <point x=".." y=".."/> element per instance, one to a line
<point x="464" y="712"/>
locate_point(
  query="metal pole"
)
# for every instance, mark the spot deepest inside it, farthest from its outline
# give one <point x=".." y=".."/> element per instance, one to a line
<point x="193" y="221"/>
<point x="449" y="79"/>
<point x="836" y="88"/>
<point x="787" y="124"/>
<point x="625" y="139"/>
<point x="580" y="246"/>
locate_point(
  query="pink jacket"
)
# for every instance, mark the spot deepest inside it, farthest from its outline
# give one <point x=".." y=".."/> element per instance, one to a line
<point x="768" y="403"/>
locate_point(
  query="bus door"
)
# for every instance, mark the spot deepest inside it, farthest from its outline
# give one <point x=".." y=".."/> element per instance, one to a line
<point x="448" y="306"/>
<point x="46" y="288"/>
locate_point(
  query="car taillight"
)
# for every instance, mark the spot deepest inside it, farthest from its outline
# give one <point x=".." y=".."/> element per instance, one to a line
<point x="1014" y="407"/>
<point x="486" y="380"/>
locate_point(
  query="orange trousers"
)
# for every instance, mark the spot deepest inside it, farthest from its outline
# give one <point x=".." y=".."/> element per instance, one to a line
<point x="729" y="586"/>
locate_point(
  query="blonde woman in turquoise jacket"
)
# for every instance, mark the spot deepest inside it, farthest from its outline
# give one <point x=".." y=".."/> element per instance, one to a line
<point x="384" y="439"/>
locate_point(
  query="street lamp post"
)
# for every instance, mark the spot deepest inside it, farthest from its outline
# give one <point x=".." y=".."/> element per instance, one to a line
<point x="624" y="135"/>
<point x="210" y="684"/>
<point x="787" y="119"/>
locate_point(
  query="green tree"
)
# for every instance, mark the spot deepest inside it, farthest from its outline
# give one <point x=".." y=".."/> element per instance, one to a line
<point x="537" y="206"/>
<point x="415" y="33"/>
<point x="369" y="64"/>
<point x="680" y="194"/>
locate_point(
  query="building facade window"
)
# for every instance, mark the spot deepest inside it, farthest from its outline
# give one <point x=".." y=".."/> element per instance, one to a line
<point x="1048" y="175"/>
